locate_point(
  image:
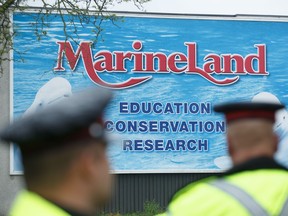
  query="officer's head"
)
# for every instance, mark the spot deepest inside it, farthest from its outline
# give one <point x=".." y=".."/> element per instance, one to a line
<point x="250" y="129"/>
<point x="63" y="149"/>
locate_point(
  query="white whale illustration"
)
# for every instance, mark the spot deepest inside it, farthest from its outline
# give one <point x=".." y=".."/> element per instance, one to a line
<point x="280" y="127"/>
<point x="281" y="115"/>
<point x="223" y="162"/>
<point x="54" y="90"/>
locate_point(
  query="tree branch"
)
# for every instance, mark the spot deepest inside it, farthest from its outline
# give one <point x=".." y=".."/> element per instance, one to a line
<point x="74" y="15"/>
<point x="4" y="7"/>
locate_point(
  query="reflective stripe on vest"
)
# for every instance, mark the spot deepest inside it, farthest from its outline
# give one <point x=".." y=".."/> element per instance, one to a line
<point x="284" y="211"/>
<point x="245" y="199"/>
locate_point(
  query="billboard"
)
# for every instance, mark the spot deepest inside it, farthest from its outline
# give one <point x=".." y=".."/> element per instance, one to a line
<point x="166" y="74"/>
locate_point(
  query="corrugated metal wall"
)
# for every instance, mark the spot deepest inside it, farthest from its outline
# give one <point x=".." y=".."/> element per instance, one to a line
<point x="132" y="190"/>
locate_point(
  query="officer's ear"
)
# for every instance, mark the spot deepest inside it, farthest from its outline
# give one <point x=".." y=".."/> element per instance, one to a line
<point x="275" y="142"/>
<point x="230" y="146"/>
<point x="90" y="158"/>
<point x="84" y="162"/>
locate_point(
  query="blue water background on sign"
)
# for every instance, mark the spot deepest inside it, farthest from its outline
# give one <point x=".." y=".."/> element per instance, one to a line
<point x="157" y="35"/>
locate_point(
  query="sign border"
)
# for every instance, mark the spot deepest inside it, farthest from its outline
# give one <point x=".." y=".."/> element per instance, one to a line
<point x="240" y="17"/>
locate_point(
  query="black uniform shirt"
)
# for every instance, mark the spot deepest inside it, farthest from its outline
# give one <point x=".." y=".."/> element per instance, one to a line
<point x="254" y="164"/>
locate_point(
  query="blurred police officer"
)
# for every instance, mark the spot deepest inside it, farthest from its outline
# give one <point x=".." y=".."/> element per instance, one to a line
<point x="63" y="150"/>
<point x="256" y="185"/>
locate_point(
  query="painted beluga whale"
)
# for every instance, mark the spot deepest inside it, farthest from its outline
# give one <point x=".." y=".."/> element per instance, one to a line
<point x="54" y="90"/>
<point x="280" y="127"/>
<point x="281" y="115"/>
<point x="223" y="162"/>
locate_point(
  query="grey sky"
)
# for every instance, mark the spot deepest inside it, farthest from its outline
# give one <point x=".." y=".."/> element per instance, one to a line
<point x="262" y="7"/>
<point x="259" y="7"/>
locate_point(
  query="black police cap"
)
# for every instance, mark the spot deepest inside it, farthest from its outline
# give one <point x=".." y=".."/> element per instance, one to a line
<point x="240" y="110"/>
<point x="76" y="117"/>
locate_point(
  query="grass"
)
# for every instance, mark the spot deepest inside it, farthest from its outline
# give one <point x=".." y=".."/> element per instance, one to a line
<point x="150" y="208"/>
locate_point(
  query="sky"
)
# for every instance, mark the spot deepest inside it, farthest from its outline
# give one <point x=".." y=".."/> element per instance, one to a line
<point x="259" y="7"/>
<point x="229" y="7"/>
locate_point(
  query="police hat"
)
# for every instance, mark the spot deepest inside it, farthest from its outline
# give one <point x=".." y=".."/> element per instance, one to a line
<point x="240" y="110"/>
<point x="74" y="118"/>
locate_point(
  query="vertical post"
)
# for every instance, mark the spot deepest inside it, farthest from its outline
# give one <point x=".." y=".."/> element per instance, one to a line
<point x="9" y="185"/>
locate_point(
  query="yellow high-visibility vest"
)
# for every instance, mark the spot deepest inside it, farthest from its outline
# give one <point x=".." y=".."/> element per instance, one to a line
<point x="31" y="204"/>
<point x="266" y="188"/>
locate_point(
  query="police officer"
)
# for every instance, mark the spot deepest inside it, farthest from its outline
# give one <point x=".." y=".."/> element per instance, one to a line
<point x="63" y="150"/>
<point x="256" y="185"/>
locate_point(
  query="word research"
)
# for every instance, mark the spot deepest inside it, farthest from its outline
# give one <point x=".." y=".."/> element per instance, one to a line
<point x="223" y="69"/>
